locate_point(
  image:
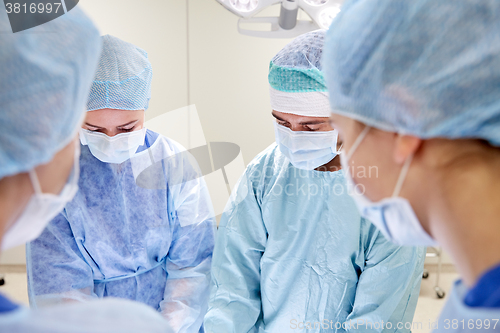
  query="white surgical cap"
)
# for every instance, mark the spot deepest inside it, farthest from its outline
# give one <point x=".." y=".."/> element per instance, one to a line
<point x="44" y="83"/>
<point x="426" y="68"/>
<point x="296" y="82"/>
<point x="123" y="78"/>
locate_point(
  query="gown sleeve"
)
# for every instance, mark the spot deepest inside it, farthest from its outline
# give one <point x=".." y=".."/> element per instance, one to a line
<point x="57" y="271"/>
<point x="388" y="287"/>
<point x="190" y="255"/>
<point x="235" y="302"/>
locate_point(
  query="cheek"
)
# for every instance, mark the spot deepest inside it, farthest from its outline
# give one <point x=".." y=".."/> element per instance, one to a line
<point x="372" y="167"/>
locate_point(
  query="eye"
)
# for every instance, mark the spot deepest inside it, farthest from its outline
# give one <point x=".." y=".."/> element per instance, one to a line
<point x="128" y="128"/>
<point x="92" y="129"/>
<point x="312" y="128"/>
<point x="283" y="123"/>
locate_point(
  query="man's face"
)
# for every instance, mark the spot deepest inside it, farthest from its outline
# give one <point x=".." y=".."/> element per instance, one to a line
<point x="302" y="123"/>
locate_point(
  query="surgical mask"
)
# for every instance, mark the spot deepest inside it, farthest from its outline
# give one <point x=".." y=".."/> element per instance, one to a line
<point x="41" y="208"/>
<point x="393" y="216"/>
<point x="306" y="150"/>
<point x="113" y="149"/>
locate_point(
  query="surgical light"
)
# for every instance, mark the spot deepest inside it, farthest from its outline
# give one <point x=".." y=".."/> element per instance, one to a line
<point x="244" y="5"/>
<point x="327" y="15"/>
<point x="287" y="24"/>
<point x="315" y="2"/>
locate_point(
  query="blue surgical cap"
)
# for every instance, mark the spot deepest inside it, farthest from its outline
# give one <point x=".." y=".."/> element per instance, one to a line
<point x="426" y="68"/>
<point x="44" y="83"/>
<point x="123" y="78"/>
<point x="297" y="67"/>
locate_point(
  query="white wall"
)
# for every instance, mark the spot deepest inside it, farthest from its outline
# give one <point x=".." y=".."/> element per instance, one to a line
<point x="15" y="256"/>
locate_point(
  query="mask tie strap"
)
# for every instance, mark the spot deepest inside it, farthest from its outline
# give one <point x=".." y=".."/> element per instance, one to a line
<point x="402" y="176"/>
<point x="357" y="142"/>
<point x="34" y="182"/>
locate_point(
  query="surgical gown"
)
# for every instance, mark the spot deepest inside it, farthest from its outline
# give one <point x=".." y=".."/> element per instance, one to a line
<point x="456" y="316"/>
<point x="141" y="230"/>
<point x="292" y="254"/>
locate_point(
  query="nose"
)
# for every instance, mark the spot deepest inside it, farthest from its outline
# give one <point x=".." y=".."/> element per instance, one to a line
<point x="110" y="132"/>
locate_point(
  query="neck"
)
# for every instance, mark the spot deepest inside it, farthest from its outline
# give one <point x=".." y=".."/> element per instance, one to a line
<point x="332" y="166"/>
<point x="463" y="208"/>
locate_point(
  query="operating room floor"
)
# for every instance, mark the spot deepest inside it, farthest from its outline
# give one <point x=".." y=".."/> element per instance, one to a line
<point x="428" y="306"/>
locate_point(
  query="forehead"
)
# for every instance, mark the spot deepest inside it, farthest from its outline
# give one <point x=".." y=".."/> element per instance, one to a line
<point x="113" y="117"/>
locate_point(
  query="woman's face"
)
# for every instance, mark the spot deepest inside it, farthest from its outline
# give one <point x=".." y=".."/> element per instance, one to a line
<point x="112" y="122"/>
<point x="372" y="165"/>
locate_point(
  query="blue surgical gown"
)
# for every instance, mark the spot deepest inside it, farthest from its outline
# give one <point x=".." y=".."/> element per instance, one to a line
<point x="457" y="316"/>
<point x="293" y="254"/>
<point x="141" y="230"/>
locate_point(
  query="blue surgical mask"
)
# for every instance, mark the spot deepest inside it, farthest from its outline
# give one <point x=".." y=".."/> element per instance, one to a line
<point x="393" y="216"/>
<point x="113" y="149"/>
<point x="306" y="150"/>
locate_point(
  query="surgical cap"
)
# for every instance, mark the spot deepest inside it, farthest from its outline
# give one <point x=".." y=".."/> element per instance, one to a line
<point x="296" y="82"/>
<point x="425" y="68"/>
<point x="44" y="84"/>
<point x="123" y="78"/>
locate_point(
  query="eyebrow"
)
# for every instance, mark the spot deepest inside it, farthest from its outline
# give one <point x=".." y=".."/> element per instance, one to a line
<point x="312" y="122"/>
<point x="88" y="124"/>
<point x="129" y="123"/>
<point x="279" y="118"/>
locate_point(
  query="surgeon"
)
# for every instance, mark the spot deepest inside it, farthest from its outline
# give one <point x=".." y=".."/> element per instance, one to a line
<point x="418" y="96"/>
<point x="292" y="252"/>
<point x="44" y="83"/>
<point x="141" y="227"/>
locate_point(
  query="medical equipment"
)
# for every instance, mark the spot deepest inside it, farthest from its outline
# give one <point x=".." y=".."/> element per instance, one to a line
<point x="306" y="149"/>
<point x="41" y="208"/>
<point x="393" y="216"/>
<point x="435" y="252"/>
<point x="116" y="149"/>
<point x="287" y="25"/>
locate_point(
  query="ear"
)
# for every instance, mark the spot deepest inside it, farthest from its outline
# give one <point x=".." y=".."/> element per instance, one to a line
<point x="405" y="146"/>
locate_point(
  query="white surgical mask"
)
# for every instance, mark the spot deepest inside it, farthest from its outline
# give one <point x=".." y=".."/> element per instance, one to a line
<point x="41" y="208"/>
<point x="393" y="216"/>
<point x="306" y="150"/>
<point x="113" y="149"/>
